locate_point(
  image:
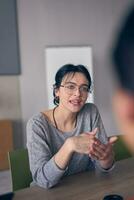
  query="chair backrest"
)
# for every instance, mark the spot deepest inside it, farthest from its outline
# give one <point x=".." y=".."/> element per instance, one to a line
<point x="120" y="149"/>
<point x="20" y="170"/>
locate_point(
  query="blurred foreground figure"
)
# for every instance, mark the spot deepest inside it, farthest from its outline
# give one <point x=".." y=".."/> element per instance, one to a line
<point x="123" y="57"/>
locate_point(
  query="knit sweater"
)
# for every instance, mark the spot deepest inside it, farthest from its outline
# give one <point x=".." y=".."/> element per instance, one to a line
<point x="44" y="141"/>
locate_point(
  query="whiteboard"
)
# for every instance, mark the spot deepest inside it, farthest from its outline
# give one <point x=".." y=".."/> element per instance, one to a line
<point x="55" y="57"/>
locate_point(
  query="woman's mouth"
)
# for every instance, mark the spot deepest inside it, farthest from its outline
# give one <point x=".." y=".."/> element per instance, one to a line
<point x="75" y="102"/>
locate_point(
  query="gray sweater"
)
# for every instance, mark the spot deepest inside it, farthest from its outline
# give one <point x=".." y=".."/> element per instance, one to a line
<point x="44" y="140"/>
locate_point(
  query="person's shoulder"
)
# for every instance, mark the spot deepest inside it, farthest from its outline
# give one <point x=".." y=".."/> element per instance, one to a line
<point x="89" y="110"/>
<point x="37" y="118"/>
<point x="42" y="118"/>
<point x="36" y="127"/>
<point x="90" y="107"/>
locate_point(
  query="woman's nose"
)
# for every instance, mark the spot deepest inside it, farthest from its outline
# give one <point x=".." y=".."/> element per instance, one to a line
<point x="77" y="92"/>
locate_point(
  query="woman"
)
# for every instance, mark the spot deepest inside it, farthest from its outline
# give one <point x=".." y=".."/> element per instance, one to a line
<point x="69" y="138"/>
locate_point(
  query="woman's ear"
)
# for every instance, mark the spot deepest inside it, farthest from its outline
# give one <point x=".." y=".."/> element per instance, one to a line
<point x="56" y="91"/>
<point x="55" y="88"/>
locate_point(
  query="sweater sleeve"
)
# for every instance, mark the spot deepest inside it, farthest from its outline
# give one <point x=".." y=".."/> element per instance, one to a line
<point x="45" y="172"/>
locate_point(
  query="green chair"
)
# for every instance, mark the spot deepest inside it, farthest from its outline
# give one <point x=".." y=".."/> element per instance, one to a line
<point x="20" y="170"/>
<point x="120" y="149"/>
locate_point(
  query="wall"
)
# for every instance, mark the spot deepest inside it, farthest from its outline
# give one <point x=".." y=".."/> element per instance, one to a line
<point x="10" y="106"/>
<point x="73" y="22"/>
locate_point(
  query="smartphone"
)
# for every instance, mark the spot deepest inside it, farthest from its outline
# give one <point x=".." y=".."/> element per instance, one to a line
<point x="113" y="197"/>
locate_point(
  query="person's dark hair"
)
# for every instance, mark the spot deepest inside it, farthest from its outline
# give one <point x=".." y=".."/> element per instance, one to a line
<point x="123" y="54"/>
<point x="69" y="69"/>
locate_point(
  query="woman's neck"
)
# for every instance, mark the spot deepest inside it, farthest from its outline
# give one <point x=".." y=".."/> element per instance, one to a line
<point x="64" y="120"/>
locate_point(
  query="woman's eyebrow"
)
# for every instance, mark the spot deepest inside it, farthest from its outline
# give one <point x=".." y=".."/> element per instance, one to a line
<point x="84" y="84"/>
<point x="70" y="82"/>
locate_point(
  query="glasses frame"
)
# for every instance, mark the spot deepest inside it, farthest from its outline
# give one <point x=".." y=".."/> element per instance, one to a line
<point x="76" y="87"/>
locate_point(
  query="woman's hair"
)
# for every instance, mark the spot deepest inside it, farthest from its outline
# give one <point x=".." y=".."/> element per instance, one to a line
<point x="69" y="69"/>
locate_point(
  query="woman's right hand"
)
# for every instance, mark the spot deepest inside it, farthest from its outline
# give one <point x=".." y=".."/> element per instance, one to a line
<point x="84" y="142"/>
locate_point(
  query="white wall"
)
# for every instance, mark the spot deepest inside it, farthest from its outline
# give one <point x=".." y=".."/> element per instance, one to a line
<point x="67" y="22"/>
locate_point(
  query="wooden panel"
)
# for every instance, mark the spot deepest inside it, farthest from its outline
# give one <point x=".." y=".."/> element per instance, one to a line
<point x="6" y="142"/>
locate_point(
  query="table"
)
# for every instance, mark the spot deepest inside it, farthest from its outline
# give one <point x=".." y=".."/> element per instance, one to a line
<point x="87" y="185"/>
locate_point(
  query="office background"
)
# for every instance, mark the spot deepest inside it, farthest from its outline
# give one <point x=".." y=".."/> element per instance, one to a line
<point x="43" y="23"/>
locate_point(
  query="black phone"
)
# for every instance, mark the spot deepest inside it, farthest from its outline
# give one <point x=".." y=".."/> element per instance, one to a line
<point x="113" y="197"/>
<point x="7" y="196"/>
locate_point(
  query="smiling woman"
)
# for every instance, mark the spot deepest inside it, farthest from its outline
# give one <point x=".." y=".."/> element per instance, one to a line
<point x="69" y="138"/>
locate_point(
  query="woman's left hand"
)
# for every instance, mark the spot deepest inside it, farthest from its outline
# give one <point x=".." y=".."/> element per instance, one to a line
<point x="103" y="152"/>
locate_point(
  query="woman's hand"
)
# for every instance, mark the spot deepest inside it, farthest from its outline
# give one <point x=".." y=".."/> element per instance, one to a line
<point x="84" y="142"/>
<point x="80" y="144"/>
<point x="103" y="152"/>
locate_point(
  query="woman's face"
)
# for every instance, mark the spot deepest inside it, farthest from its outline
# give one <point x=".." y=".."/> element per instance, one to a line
<point x="73" y="92"/>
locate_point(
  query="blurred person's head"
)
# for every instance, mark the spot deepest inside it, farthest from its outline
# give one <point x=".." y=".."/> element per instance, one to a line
<point x="123" y="57"/>
<point x="123" y="54"/>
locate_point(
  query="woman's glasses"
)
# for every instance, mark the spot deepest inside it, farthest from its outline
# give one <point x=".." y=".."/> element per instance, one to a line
<point x="71" y="88"/>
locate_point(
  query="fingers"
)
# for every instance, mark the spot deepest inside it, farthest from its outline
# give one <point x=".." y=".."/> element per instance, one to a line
<point x="94" y="131"/>
<point x="113" y="139"/>
<point x="93" y="156"/>
<point x="99" y="151"/>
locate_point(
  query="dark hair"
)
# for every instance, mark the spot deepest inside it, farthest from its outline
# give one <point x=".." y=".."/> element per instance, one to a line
<point x="123" y="54"/>
<point x="63" y="71"/>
